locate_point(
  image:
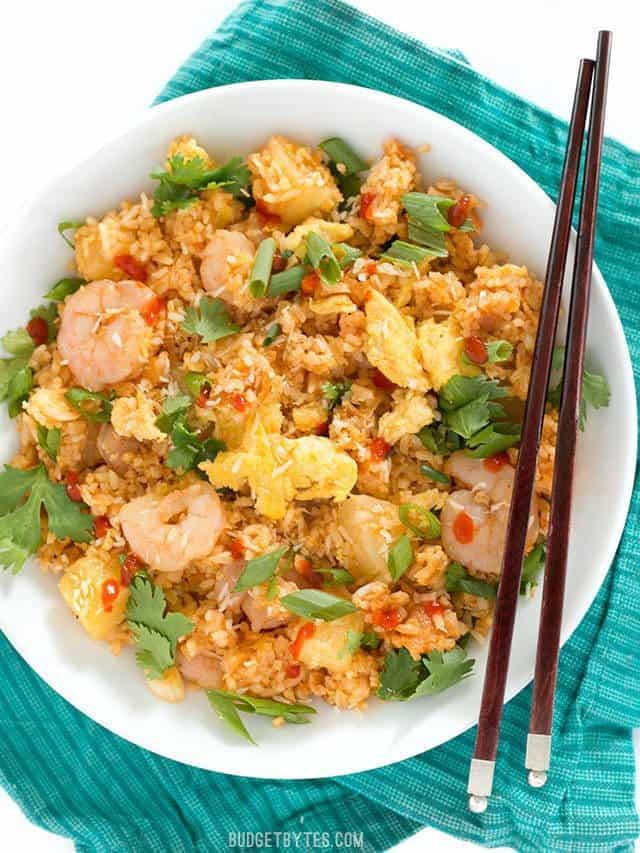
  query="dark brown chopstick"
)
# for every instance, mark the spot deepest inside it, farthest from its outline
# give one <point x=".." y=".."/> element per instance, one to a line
<point x="483" y="762"/>
<point x="539" y="739"/>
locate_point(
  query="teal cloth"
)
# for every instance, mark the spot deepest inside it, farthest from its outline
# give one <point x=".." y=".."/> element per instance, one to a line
<point x="73" y="777"/>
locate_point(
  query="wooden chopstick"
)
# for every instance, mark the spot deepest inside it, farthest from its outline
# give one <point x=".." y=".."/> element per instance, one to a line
<point x="486" y="746"/>
<point x="539" y="740"/>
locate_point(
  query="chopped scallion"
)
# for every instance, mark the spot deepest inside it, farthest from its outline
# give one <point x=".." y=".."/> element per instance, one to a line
<point x="434" y="474"/>
<point x="406" y="254"/>
<point x="429" y="525"/>
<point x="273" y="333"/>
<point x="286" y="281"/>
<point x="69" y="225"/>
<point x="322" y="259"/>
<point x="261" y="272"/>
<point x="342" y="154"/>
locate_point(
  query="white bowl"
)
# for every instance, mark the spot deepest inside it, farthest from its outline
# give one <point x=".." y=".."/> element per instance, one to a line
<point x="237" y="119"/>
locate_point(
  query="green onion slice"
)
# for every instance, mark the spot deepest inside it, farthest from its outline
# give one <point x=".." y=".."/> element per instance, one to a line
<point x="260" y="569"/>
<point x="273" y="333"/>
<point x="429" y="526"/>
<point x="69" y="225"/>
<point x="345" y="254"/>
<point x="400" y="557"/>
<point x="406" y="254"/>
<point x="322" y="259"/>
<point x="63" y="288"/>
<point x="434" y="474"/>
<point x="341" y="153"/>
<point x="261" y="272"/>
<point x="316" y="604"/>
<point x="286" y="281"/>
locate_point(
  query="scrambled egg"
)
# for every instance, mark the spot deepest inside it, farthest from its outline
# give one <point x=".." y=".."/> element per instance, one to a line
<point x="392" y="345"/>
<point x="410" y="413"/>
<point x="280" y="470"/>
<point x="135" y="417"/>
<point x="440" y="348"/>
<point x="49" y="407"/>
<point x="333" y="232"/>
<point x="336" y="304"/>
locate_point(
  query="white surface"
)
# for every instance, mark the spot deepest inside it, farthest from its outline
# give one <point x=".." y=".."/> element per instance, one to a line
<point x="102" y="67"/>
<point x="109" y="688"/>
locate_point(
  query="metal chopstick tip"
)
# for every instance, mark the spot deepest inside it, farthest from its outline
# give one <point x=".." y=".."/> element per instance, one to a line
<point x="537" y="778"/>
<point x="478" y="805"/>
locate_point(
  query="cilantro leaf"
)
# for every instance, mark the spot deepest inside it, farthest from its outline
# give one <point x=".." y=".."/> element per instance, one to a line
<point x="470" y="418"/>
<point x="20" y="527"/>
<point x="335" y="392"/>
<point x="531" y="567"/>
<point x="210" y="320"/>
<point x="156" y="632"/>
<point x="183" y="179"/>
<point x="172" y="409"/>
<point x="439" y="439"/>
<point x="460" y="390"/>
<point x="49" y="440"/>
<point x="445" y="669"/>
<point x="189" y="450"/>
<point x="595" y="388"/>
<point x="92" y="405"/>
<point x="400" y="676"/>
<point x="19" y="382"/>
<point x="403" y="677"/>
<point x="459" y="580"/>
<point x="493" y="439"/>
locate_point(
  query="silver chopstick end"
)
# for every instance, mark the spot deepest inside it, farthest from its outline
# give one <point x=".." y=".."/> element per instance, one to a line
<point x="480" y="784"/>
<point x="538" y="759"/>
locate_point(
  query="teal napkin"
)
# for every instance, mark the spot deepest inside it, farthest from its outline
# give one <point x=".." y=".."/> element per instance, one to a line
<point x="73" y="777"/>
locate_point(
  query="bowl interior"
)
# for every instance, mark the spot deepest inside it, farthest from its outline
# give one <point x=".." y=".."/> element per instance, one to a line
<point x="237" y="119"/>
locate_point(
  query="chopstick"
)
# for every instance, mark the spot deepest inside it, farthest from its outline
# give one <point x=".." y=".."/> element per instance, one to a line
<point x="539" y="739"/>
<point x="486" y="746"/>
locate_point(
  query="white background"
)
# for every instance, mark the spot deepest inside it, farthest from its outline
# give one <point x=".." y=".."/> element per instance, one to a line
<point x="74" y="73"/>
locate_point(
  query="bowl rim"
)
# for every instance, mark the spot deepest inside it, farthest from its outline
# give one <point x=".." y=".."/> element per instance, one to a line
<point x="512" y="172"/>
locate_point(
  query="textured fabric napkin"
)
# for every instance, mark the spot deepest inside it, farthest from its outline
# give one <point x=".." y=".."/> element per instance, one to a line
<point x="73" y="777"/>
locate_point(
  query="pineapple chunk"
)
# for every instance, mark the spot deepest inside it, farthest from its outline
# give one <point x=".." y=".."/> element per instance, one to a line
<point x="410" y="413"/>
<point x="82" y="588"/>
<point x="333" y="232"/>
<point x="189" y="148"/>
<point x="369" y="527"/>
<point x="392" y="345"/>
<point x="97" y="244"/>
<point x="327" y="647"/>
<point x="169" y="688"/>
<point x="440" y="347"/>
<point x="291" y="182"/>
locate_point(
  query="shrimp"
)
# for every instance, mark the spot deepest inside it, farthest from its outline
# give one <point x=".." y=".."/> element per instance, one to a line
<point x="171" y="532"/>
<point x="114" y="449"/>
<point x="486" y="502"/>
<point x="226" y="266"/>
<point x="103" y="335"/>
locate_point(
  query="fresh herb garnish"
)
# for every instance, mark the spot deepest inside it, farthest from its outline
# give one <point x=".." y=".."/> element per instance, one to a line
<point x="92" y="405"/>
<point x="261" y="272"/>
<point x="359" y="640"/>
<point x="440" y="440"/>
<point x="172" y="409"/>
<point x="189" y="449"/>
<point x="595" y="388"/>
<point x="470" y="411"/>
<point x="345" y="165"/>
<point x="434" y="474"/>
<point x="156" y="631"/>
<point x="406" y="254"/>
<point x="320" y="256"/>
<point x="48" y="313"/>
<point x="69" y="225"/>
<point x="20" y="528"/>
<point x="335" y="392"/>
<point x="227" y="705"/>
<point x="400" y="557"/>
<point x="260" y="569"/>
<point x="460" y="390"/>
<point x="497" y="351"/>
<point x="316" y="604"/>
<point x="493" y="439"/>
<point x="335" y="577"/>
<point x="210" y="320"/>
<point x="63" y="288"/>
<point x="273" y="333"/>
<point x="405" y="678"/>
<point x="429" y="524"/>
<point x="531" y="567"/>
<point x="49" y="440"/>
<point x="16" y="382"/>
<point x="194" y="382"/>
<point x="459" y="580"/>
<point x="287" y="281"/>
<point x="183" y="179"/>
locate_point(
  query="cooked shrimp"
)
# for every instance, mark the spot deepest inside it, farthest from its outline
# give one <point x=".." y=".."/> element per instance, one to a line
<point x="116" y="450"/>
<point x="226" y="266"/>
<point x="485" y="502"/>
<point x="103" y="335"/>
<point x="169" y="533"/>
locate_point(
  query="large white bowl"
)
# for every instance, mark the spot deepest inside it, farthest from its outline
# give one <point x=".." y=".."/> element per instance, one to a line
<point x="237" y="119"/>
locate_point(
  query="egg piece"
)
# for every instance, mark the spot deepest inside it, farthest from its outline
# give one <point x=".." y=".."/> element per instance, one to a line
<point x="409" y="414"/>
<point x="392" y="345"/>
<point x="440" y="349"/>
<point x="333" y="232"/>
